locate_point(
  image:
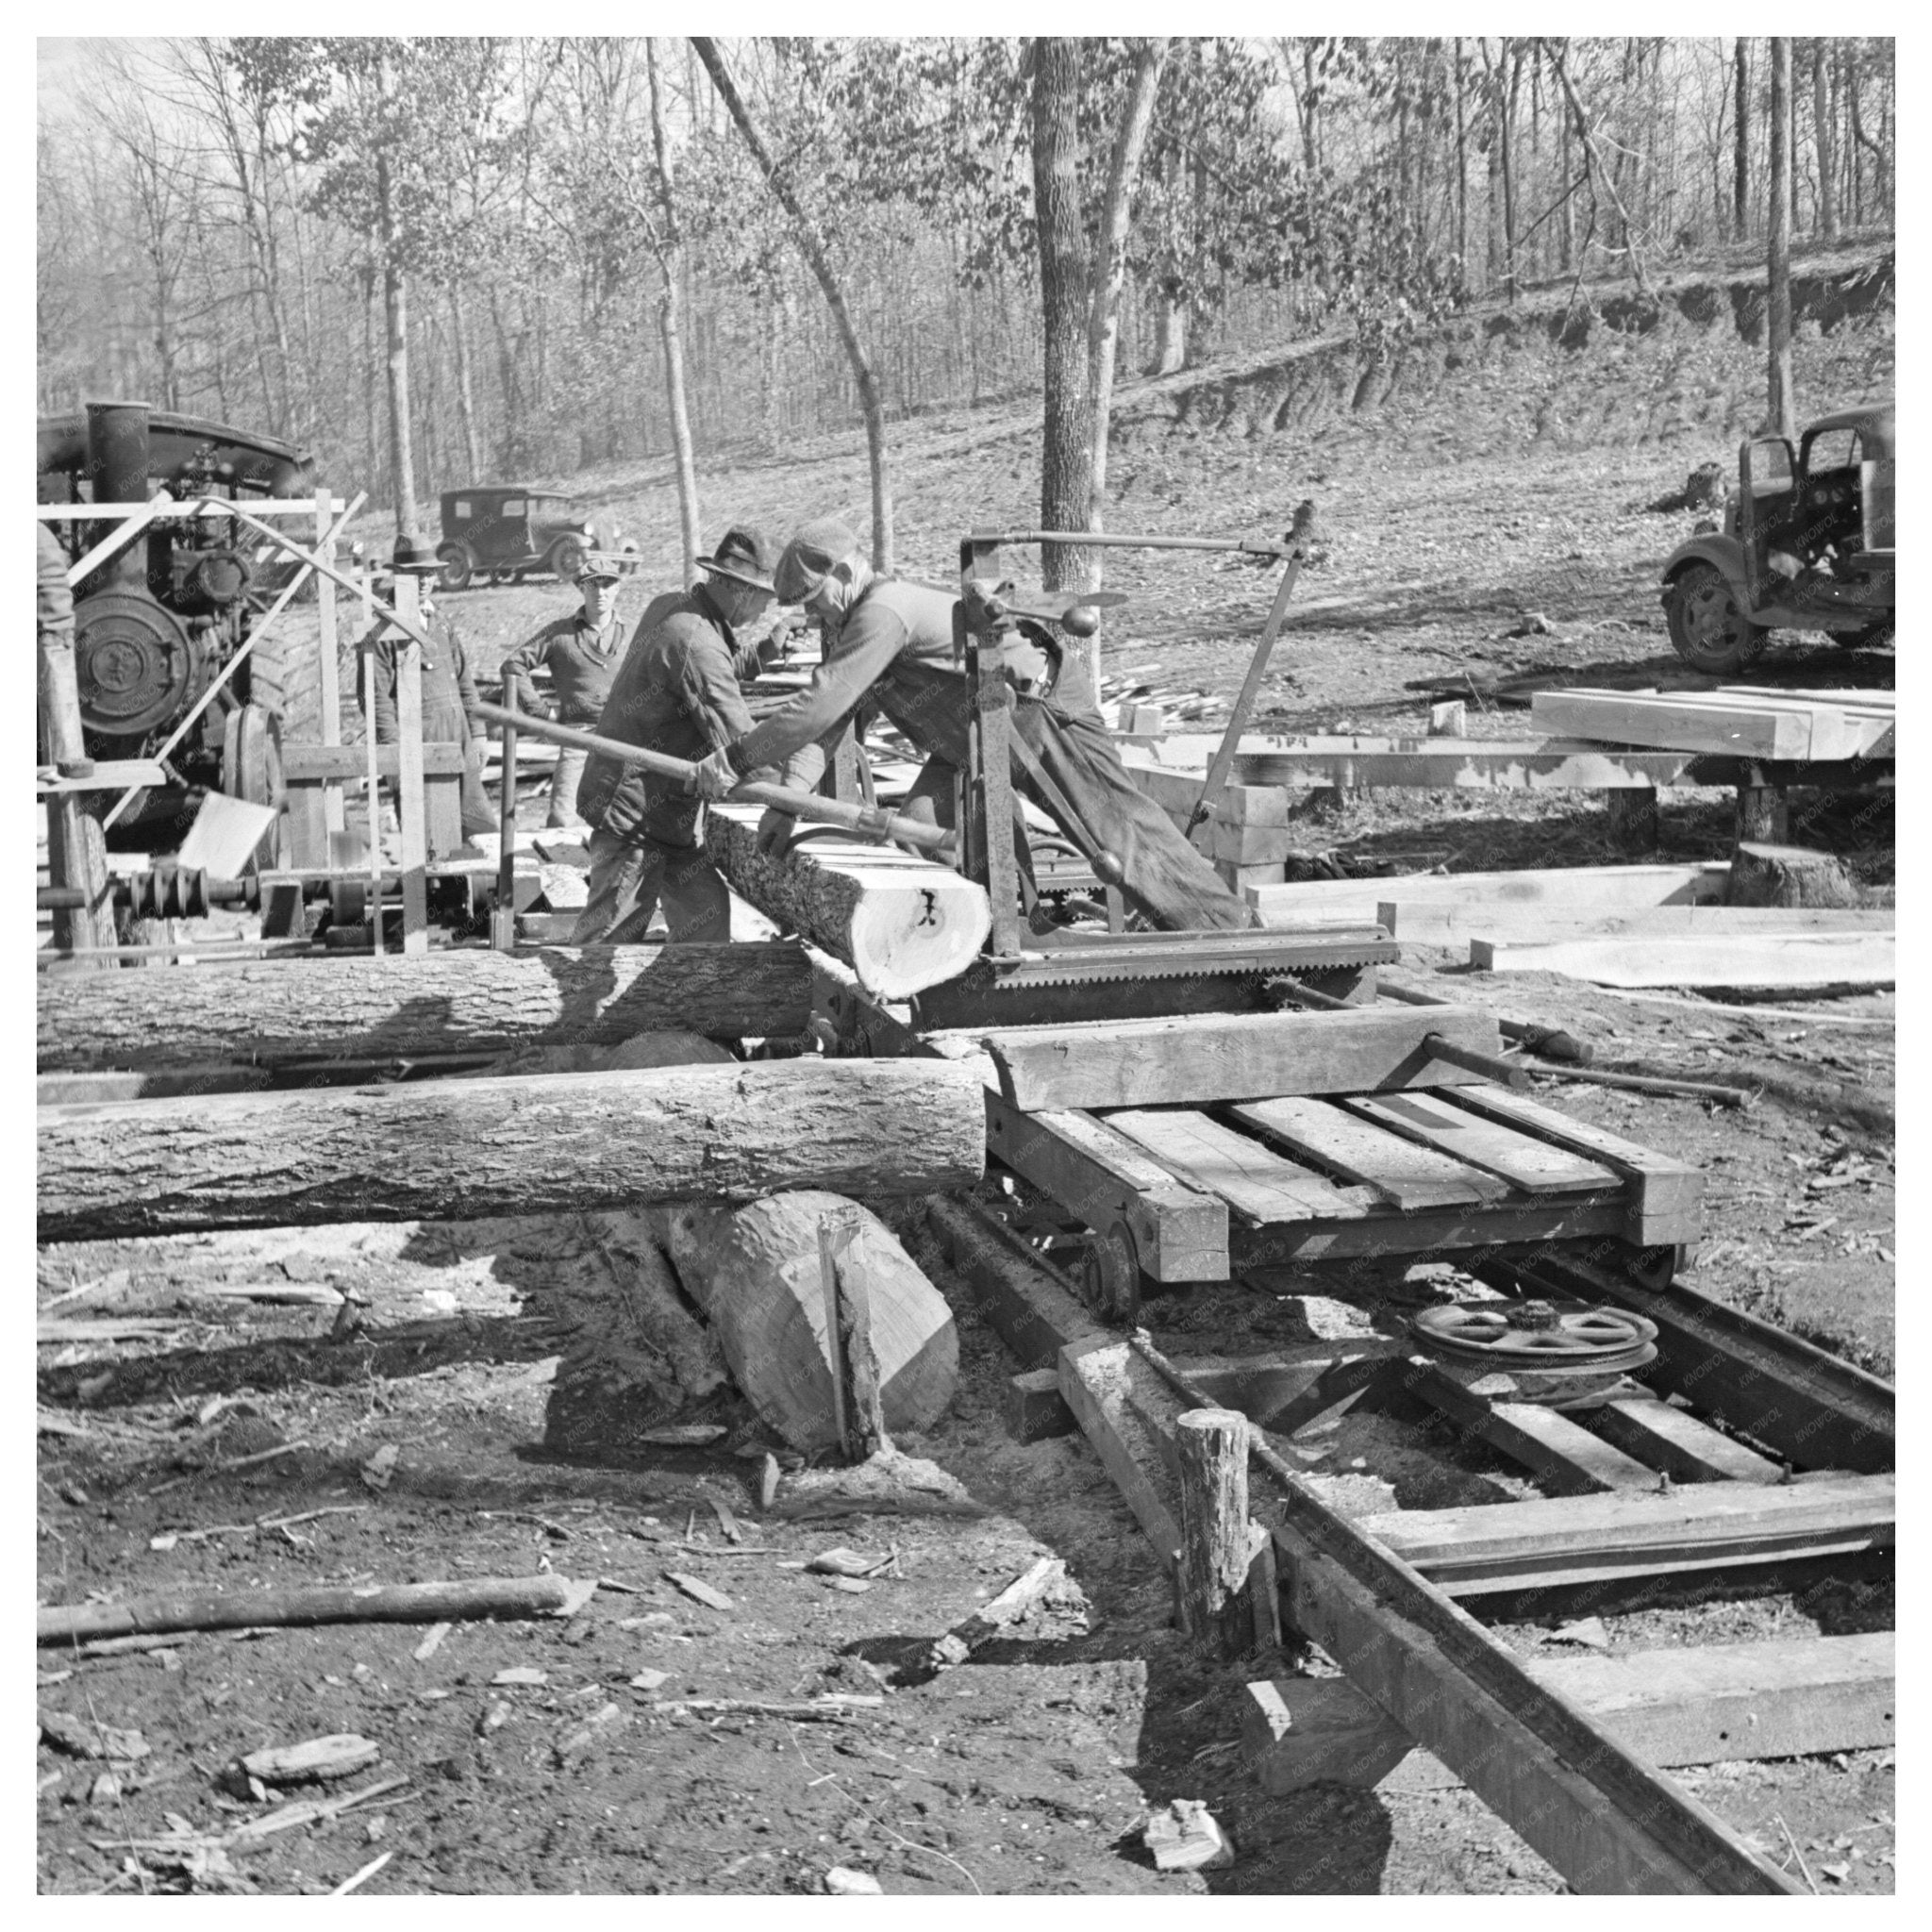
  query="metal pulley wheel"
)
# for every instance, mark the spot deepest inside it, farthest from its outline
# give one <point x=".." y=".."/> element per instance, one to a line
<point x="137" y="665"/>
<point x="1536" y="1335"/>
<point x="1110" y="1275"/>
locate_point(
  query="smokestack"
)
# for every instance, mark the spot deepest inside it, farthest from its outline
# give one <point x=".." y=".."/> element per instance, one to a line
<point x="117" y="467"/>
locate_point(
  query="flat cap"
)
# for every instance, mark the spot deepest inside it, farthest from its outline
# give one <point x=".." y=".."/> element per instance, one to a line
<point x="814" y="552"/>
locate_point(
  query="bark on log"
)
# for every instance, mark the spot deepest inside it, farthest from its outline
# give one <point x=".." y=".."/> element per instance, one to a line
<point x="902" y="923"/>
<point x="349" y="1603"/>
<point x="440" y="1150"/>
<point x="464" y="1000"/>
<point x="755" y="1272"/>
<point x="1218" y="1543"/>
<point x="1790" y="876"/>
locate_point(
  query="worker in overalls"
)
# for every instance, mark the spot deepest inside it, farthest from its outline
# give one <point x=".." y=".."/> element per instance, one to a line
<point x="894" y="641"/>
<point x="449" y="687"/>
<point x="581" y="651"/>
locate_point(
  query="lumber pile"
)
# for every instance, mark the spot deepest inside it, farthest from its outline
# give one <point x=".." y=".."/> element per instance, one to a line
<point x="460" y="1001"/>
<point x="758" y="1275"/>
<point x="444" y="1150"/>
<point x="1769" y="959"/>
<point x="1592" y="889"/>
<point x="902" y="923"/>
<point x="1745" y="721"/>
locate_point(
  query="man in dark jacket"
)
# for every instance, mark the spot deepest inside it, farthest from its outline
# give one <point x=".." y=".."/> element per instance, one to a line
<point x="894" y="641"/>
<point x="581" y="651"/>
<point x="449" y="696"/>
<point x="677" y="691"/>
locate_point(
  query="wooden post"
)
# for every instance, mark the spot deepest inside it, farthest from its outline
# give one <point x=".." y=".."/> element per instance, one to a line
<point x="503" y="915"/>
<point x="1761" y="815"/>
<point x="855" y="1394"/>
<point x="1219" y="1544"/>
<point x="332" y="818"/>
<point x="1632" y="810"/>
<point x="409" y="801"/>
<point x="374" y="780"/>
<point x="77" y="845"/>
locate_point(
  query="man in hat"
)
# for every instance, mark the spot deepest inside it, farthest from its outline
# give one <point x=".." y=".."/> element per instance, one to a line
<point x="677" y="691"/>
<point x="581" y="651"/>
<point x="449" y="684"/>
<point x="894" y="641"/>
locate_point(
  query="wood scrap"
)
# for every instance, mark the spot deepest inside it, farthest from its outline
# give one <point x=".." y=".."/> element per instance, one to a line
<point x="1593" y="888"/>
<point x="370" y="1603"/>
<point x="314" y="1760"/>
<point x="1040" y="1580"/>
<point x="699" y="1591"/>
<point x="1848" y="959"/>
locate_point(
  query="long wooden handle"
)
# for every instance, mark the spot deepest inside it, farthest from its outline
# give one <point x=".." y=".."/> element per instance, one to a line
<point x="871" y="820"/>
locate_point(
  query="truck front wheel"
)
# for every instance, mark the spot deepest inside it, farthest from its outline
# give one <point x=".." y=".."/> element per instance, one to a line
<point x="1709" y="629"/>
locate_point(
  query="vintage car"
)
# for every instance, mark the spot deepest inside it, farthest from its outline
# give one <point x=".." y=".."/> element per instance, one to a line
<point x="1806" y="544"/>
<point x="499" y="531"/>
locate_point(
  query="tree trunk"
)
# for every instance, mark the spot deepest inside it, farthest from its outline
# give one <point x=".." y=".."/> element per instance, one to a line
<point x="1170" y="336"/>
<point x="1512" y="58"/>
<point x="1741" y="170"/>
<point x="450" y="1150"/>
<point x="806" y="236"/>
<point x="902" y="923"/>
<point x="466" y="391"/>
<point x="1780" y="412"/>
<point x="1462" y="161"/>
<point x="682" y="456"/>
<point x="1494" y="202"/>
<point x="395" y="301"/>
<point x="452" y="1003"/>
<point x="1066" y="468"/>
<point x="756" y="1272"/>
<point x="1822" y="132"/>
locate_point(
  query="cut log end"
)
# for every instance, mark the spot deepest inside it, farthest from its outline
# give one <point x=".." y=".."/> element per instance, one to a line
<point x="906" y="939"/>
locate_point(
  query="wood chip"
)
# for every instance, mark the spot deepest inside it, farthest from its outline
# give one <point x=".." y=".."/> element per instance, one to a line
<point x="380" y="1470"/>
<point x="855" y="1585"/>
<point x="842" y="1562"/>
<point x="768" y="1481"/>
<point x="521" y="1673"/>
<point x="699" y="1591"/>
<point x="432" y="1641"/>
<point x="314" y="1760"/>
<point x="650" y="1680"/>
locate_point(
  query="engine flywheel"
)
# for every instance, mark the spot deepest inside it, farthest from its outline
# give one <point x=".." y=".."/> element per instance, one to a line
<point x="1536" y="1335"/>
<point x="137" y="667"/>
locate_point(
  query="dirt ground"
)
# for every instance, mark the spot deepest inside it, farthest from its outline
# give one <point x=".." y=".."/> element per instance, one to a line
<point x="170" y="1461"/>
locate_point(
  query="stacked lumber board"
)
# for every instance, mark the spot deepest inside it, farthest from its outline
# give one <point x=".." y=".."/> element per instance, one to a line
<point x="1745" y="721"/>
<point x="1768" y="958"/>
<point x="1452" y="923"/>
<point x="1592" y="889"/>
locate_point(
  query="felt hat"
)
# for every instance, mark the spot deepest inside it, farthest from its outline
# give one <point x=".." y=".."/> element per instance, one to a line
<point x="818" y="548"/>
<point x="415" y="558"/>
<point x="744" y="555"/>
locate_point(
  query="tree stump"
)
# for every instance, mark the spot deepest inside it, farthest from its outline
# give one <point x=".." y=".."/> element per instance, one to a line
<point x="1219" y="1544"/>
<point x="1790" y="875"/>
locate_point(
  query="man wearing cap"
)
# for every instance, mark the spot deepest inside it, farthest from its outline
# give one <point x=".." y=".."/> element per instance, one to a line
<point x="581" y="651"/>
<point x="449" y="686"/>
<point x="677" y="691"/>
<point x="895" y="640"/>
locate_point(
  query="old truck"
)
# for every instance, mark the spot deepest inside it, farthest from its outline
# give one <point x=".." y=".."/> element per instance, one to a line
<point x="1806" y="544"/>
<point x="154" y="626"/>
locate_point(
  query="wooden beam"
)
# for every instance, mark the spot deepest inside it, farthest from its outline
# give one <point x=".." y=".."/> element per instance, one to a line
<point x="1244" y="1174"/>
<point x="1180" y="1233"/>
<point x="412" y="807"/>
<point x="1593" y="888"/>
<point x="1710" y="1704"/>
<point x="1739" y="723"/>
<point x="1820" y="958"/>
<point x="1094" y="1379"/>
<point x="1498" y="920"/>
<point x="442" y="1150"/>
<point x="1382" y="1237"/>
<point x="1500" y="1548"/>
<point x="1028" y="1303"/>
<point x="1217" y="1056"/>
<point x="458" y="1001"/>
<point x="1676" y="1442"/>
<point x="320" y="764"/>
<point x="902" y="923"/>
<point x="1564" y="1456"/>
<point x="1268" y="768"/>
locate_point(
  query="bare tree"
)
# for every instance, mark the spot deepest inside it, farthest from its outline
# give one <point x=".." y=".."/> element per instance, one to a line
<point x="1780" y="412"/>
<point x="811" y="244"/>
<point x="1741" y="175"/>
<point x="1822" y="134"/>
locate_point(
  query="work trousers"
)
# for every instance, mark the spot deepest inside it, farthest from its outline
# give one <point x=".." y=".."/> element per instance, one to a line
<point x="629" y="877"/>
<point x="1163" y="878"/>
<point x="565" y="777"/>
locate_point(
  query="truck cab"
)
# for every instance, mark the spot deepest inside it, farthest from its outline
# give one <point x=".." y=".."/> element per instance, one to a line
<point x="1808" y="543"/>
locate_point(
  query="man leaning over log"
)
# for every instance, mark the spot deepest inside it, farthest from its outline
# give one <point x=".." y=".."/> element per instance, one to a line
<point x="677" y="691"/>
<point x="894" y="641"/>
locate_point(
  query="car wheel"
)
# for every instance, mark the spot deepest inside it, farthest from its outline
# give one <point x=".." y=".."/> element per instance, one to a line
<point x="1707" y="629"/>
<point x="567" y="558"/>
<point x="455" y="574"/>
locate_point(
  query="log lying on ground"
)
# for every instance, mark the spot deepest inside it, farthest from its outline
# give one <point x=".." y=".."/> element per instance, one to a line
<point x="902" y="923"/>
<point x="755" y="1272"/>
<point x="460" y="1000"/>
<point x="349" y="1603"/>
<point x="440" y="1150"/>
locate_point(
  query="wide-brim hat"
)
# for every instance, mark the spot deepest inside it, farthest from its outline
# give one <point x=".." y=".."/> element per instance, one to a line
<point x="815" y="551"/>
<point x="744" y="555"/>
<point x="417" y="558"/>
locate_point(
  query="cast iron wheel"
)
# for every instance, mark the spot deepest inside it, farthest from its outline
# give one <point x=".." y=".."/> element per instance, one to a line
<point x="1707" y="629"/>
<point x="1110" y="1276"/>
<point x="1655" y="1268"/>
<point x="455" y="573"/>
<point x="252" y="770"/>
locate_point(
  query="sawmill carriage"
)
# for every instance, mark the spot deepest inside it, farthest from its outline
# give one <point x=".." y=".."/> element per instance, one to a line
<point x="156" y="622"/>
